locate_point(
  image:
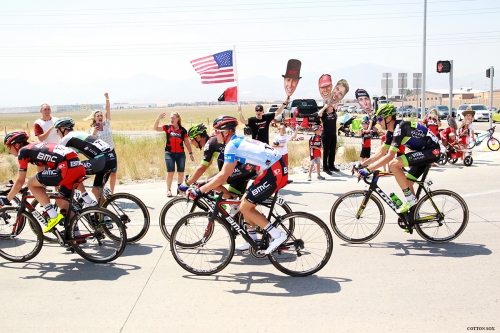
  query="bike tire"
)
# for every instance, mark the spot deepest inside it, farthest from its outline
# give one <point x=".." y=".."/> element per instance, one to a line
<point x="468" y="160"/>
<point x="132" y="212"/>
<point x="98" y="243"/>
<point x="212" y="255"/>
<point x="25" y="243"/>
<point x="307" y="249"/>
<point x="174" y="210"/>
<point x="355" y="230"/>
<point x="493" y="144"/>
<point x="47" y="237"/>
<point x="455" y="220"/>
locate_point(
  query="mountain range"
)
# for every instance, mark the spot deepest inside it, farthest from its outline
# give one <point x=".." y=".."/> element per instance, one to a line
<point x="146" y="88"/>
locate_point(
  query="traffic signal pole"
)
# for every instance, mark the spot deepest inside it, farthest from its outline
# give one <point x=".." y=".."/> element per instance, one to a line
<point x="491" y="74"/>
<point x="450" y="103"/>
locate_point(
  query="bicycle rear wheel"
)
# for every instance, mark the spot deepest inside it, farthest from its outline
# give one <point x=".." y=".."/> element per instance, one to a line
<point x="493" y="144"/>
<point x="352" y="229"/>
<point x="93" y="240"/>
<point x="174" y="210"/>
<point x="441" y="229"/>
<point x="132" y="212"/>
<point x="20" y="236"/>
<point x="212" y="254"/>
<point x="307" y="250"/>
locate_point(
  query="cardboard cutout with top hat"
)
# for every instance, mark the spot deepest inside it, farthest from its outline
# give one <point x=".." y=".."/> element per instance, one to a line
<point x="292" y="76"/>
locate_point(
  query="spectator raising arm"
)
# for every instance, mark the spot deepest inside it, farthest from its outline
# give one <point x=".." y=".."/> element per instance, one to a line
<point x="243" y="120"/>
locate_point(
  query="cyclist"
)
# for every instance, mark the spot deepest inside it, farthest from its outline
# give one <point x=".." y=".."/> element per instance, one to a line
<point x="63" y="169"/>
<point x="101" y="156"/>
<point x="273" y="175"/>
<point x="418" y="138"/>
<point x="212" y="149"/>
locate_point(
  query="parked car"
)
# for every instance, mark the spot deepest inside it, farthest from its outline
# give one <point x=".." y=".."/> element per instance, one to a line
<point x="482" y="112"/>
<point x="351" y="109"/>
<point x="402" y="112"/>
<point x="303" y="108"/>
<point x="494" y="109"/>
<point x="496" y="116"/>
<point x="273" y="109"/>
<point x="443" y="111"/>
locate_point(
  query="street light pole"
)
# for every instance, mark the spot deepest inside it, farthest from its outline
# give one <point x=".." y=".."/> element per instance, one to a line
<point x="424" y="56"/>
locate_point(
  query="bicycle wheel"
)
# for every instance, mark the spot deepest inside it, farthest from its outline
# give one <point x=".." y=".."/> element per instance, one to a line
<point x="212" y="255"/>
<point x="132" y="212"/>
<point x="174" y="210"/>
<point x="493" y="144"/>
<point x="352" y="229"/>
<point x="307" y="250"/>
<point x="452" y="222"/>
<point x="93" y="240"/>
<point x="17" y="242"/>
<point x="47" y="237"/>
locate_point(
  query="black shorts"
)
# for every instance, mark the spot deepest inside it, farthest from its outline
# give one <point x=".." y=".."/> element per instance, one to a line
<point x="103" y="166"/>
<point x="365" y="152"/>
<point x="239" y="178"/>
<point x="418" y="161"/>
<point x="268" y="182"/>
<point x="64" y="175"/>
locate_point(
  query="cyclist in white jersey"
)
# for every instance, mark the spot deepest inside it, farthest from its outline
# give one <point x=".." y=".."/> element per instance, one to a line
<point x="267" y="161"/>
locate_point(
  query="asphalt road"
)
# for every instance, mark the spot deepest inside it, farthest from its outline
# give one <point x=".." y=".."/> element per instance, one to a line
<point x="396" y="283"/>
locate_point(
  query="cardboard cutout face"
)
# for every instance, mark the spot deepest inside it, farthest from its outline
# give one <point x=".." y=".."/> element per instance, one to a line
<point x="338" y="93"/>
<point x="292" y="76"/>
<point x="290" y="85"/>
<point x="365" y="103"/>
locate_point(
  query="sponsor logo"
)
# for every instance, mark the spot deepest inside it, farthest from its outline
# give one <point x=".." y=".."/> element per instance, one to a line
<point x="436" y="152"/>
<point x="73" y="164"/>
<point x="261" y="188"/>
<point x="277" y="172"/>
<point x="46" y="157"/>
<point x="415" y="156"/>
<point x="285" y="170"/>
<point x="386" y="199"/>
<point x="49" y="173"/>
<point x="417" y="133"/>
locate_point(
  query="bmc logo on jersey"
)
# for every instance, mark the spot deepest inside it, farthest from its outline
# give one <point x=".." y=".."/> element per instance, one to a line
<point x="47" y="158"/>
<point x="49" y="173"/>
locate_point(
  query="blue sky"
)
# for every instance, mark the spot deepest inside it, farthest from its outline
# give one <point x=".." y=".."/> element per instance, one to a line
<point x="86" y="41"/>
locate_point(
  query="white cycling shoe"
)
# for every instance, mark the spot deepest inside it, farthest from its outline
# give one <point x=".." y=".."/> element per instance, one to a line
<point x="242" y="247"/>
<point x="275" y="243"/>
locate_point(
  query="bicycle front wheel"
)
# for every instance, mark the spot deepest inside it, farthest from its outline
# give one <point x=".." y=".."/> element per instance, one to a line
<point x="493" y="144"/>
<point x="353" y="229"/>
<point x="444" y="224"/>
<point x="174" y="210"/>
<point x="212" y="254"/>
<point x="307" y="249"/>
<point x="18" y="242"/>
<point x="93" y="239"/>
<point x="132" y="212"/>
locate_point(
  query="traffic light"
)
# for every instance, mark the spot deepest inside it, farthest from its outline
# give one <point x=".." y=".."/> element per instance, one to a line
<point x="488" y="74"/>
<point x="443" y="66"/>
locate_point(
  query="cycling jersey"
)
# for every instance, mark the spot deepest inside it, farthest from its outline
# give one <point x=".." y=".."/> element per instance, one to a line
<point x="314" y="141"/>
<point x="366" y="138"/>
<point x="175" y="138"/>
<point x="432" y="124"/>
<point x="90" y="146"/>
<point x="213" y="149"/>
<point x="252" y="152"/>
<point x="414" y="136"/>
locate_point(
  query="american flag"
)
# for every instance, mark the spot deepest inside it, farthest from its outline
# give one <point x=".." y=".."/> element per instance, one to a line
<point x="217" y="68"/>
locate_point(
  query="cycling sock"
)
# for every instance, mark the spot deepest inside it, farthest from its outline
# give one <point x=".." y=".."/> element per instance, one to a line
<point x="49" y="209"/>
<point x="86" y="197"/>
<point x="275" y="233"/>
<point x="408" y="195"/>
<point x="252" y="233"/>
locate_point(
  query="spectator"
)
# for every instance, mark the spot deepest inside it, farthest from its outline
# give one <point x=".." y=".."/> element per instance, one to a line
<point x="315" y="152"/>
<point x="44" y="126"/>
<point x="260" y="123"/>
<point x="329" y="118"/>
<point x="174" y="148"/>
<point x="366" y="140"/>
<point x="280" y="142"/>
<point x="432" y="122"/>
<point x="101" y="128"/>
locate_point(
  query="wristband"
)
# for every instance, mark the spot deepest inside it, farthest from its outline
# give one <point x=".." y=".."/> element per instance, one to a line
<point x="191" y="153"/>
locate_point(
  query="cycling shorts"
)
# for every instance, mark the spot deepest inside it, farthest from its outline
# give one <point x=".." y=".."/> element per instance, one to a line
<point x="269" y="182"/>
<point x="66" y="173"/>
<point x="419" y="160"/>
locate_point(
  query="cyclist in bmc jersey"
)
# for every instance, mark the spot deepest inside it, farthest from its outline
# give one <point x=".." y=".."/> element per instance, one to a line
<point x="213" y="150"/>
<point x="419" y="139"/>
<point x="101" y="156"/>
<point x="63" y="169"/>
<point x="265" y="159"/>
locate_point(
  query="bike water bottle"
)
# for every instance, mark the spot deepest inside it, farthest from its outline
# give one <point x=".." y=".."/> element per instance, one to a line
<point x="395" y="199"/>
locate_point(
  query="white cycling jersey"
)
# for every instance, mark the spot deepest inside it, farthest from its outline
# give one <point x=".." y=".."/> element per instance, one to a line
<point x="253" y="152"/>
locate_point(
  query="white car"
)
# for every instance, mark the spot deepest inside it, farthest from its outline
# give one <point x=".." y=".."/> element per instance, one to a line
<point x="351" y="109"/>
<point x="482" y="112"/>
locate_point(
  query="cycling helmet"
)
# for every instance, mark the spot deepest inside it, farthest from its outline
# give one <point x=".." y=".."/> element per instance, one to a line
<point x="225" y="122"/>
<point x="15" y="137"/>
<point x="196" y="130"/>
<point x="64" y="122"/>
<point x="386" y="110"/>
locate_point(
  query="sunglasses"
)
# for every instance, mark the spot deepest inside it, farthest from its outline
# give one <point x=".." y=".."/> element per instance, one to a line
<point x="379" y="119"/>
<point x="259" y="110"/>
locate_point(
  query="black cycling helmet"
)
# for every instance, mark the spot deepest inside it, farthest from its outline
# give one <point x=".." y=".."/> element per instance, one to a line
<point x="15" y="137"/>
<point x="64" y="122"/>
<point x="386" y="110"/>
<point x="196" y="130"/>
<point x="225" y="122"/>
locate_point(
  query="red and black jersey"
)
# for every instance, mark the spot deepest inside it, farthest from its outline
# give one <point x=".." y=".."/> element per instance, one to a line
<point x="432" y="125"/>
<point x="366" y="138"/>
<point x="175" y="138"/>
<point x="46" y="154"/>
<point x="314" y="141"/>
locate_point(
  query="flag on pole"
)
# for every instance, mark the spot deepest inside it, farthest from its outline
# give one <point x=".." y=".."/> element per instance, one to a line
<point x="216" y="68"/>
<point x="229" y="95"/>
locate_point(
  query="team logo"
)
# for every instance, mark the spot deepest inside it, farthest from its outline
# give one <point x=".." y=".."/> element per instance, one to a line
<point x="436" y="152"/>
<point x="417" y="133"/>
<point x="277" y="172"/>
<point x="73" y="164"/>
<point x="49" y="173"/>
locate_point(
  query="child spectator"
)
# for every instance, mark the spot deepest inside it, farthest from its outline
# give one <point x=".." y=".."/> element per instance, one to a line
<point x="366" y="140"/>
<point x="464" y="136"/>
<point x="280" y="142"/>
<point x="432" y="122"/>
<point x="315" y="147"/>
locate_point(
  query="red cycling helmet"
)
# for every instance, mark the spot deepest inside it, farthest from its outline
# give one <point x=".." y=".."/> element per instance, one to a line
<point x="225" y="122"/>
<point x="15" y="137"/>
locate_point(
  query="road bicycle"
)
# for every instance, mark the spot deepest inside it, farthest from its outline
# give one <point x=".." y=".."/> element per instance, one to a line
<point x="492" y="143"/>
<point x="179" y="207"/>
<point x="439" y="216"/>
<point x="83" y="230"/>
<point x="202" y="243"/>
<point x="131" y="211"/>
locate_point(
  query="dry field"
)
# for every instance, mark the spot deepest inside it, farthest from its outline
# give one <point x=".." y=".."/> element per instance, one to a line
<point x="142" y="158"/>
